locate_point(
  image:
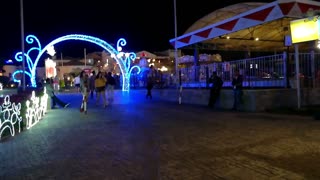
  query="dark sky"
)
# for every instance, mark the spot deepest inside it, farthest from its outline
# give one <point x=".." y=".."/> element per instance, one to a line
<point x="145" y="24"/>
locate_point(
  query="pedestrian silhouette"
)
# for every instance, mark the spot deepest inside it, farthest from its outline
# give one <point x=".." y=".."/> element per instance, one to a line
<point x="215" y="83"/>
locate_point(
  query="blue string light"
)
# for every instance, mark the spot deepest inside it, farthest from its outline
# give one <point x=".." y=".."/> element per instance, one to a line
<point x="123" y="59"/>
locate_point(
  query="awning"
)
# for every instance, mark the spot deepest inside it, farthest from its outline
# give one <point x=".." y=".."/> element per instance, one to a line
<point x="270" y="22"/>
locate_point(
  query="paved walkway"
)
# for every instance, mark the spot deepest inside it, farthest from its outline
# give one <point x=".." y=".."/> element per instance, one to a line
<point x="142" y="139"/>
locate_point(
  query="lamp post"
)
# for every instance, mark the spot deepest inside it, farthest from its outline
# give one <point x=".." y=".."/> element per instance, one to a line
<point x="175" y="40"/>
<point x="22" y="46"/>
<point x="176" y="51"/>
<point x="61" y="59"/>
<point x="296" y="57"/>
<point x="85" y="57"/>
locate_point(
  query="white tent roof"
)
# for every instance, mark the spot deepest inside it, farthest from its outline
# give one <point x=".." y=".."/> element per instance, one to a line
<point x="222" y="14"/>
<point x="244" y="22"/>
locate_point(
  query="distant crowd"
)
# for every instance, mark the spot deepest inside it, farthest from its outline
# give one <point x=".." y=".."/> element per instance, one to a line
<point x="97" y="86"/>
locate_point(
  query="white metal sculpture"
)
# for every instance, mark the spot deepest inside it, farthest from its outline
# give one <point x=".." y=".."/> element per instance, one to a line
<point x="10" y="116"/>
<point x="36" y="109"/>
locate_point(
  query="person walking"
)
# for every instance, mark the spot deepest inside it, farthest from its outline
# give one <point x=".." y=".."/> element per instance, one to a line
<point x="237" y="89"/>
<point x="76" y="82"/>
<point x="100" y="84"/>
<point x="91" y="83"/>
<point x="215" y="87"/>
<point x="54" y="99"/>
<point x="150" y="79"/>
<point x="111" y="82"/>
<point x="84" y="89"/>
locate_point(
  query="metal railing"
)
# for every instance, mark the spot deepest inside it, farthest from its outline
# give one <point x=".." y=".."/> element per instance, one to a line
<point x="262" y="72"/>
<point x="275" y="71"/>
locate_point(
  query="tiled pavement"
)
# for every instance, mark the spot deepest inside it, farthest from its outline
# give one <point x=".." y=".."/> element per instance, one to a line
<point x="142" y="139"/>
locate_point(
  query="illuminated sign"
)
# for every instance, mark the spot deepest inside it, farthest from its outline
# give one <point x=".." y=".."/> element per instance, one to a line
<point x="51" y="71"/>
<point x="303" y="30"/>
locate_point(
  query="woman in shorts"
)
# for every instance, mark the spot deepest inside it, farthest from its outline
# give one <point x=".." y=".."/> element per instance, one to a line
<point x="100" y="84"/>
<point x="84" y="89"/>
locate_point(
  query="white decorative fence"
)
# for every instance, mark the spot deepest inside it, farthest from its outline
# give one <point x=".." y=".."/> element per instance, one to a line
<point x="10" y="113"/>
<point x="36" y="109"/>
<point x="10" y="116"/>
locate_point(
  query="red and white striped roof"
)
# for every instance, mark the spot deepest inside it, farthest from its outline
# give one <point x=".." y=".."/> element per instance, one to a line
<point x="264" y="14"/>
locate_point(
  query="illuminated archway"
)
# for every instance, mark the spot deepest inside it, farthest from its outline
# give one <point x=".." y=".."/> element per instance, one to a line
<point x="123" y="59"/>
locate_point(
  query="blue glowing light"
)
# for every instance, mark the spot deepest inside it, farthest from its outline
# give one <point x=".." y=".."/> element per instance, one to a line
<point x="123" y="59"/>
<point x="20" y="72"/>
<point x="9" y="61"/>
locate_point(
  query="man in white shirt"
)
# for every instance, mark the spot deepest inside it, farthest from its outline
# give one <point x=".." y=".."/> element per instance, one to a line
<point x="77" y="83"/>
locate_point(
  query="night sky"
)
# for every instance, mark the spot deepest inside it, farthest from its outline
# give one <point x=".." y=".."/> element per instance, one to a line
<point x="145" y="24"/>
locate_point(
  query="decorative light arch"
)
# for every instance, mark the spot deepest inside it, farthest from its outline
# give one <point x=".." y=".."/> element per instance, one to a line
<point x="123" y="59"/>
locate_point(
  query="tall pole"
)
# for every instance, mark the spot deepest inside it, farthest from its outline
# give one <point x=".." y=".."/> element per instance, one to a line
<point x="61" y="69"/>
<point x="85" y="58"/>
<point x="175" y="40"/>
<point x="61" y="59"/>
<point x="296" y="55"/>
<point x="22" y="46"/>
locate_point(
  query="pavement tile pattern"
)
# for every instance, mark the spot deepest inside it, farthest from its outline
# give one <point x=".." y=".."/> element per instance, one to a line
<point x="142" y="139"/>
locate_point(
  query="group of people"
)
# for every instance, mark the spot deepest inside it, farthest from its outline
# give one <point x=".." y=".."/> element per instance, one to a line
<point x="99" y="84"/>
<point x="216" y="84"/>
<point x="102" y="82"/>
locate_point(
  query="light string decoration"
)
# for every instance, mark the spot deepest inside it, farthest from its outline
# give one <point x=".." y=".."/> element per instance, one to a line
<point x="36" y="109"/>
<point x="10" y="116"/>
<point x="123" y="59"/>
<point x="126" y="59"/>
